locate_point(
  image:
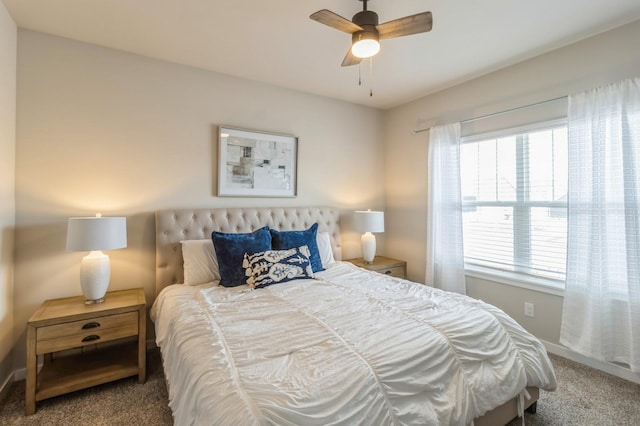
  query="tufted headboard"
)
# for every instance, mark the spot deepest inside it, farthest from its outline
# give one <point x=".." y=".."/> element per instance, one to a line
<point x="173" y="226"/>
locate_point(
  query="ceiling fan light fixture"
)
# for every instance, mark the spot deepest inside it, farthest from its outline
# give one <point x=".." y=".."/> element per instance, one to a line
<point x="365" y="44"/>
<point x="366" y="32"/>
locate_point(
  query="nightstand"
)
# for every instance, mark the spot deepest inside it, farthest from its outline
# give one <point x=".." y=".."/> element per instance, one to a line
<point x="383" y="265"/>
<point x="65" y="324"/>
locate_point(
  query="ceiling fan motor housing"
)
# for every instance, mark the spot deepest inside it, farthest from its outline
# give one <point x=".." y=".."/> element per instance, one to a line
<point x="367" y="20"/>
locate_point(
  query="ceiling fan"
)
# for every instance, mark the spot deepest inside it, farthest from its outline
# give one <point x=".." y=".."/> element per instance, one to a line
<point x="366" y="32"/>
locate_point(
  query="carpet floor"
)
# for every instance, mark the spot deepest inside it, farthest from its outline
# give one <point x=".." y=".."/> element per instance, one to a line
<point x="585" y="397"/>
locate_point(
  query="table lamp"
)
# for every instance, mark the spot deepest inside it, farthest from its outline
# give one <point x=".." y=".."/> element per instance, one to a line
<point x="94" y="234"/>
<point x="368" y="222"/>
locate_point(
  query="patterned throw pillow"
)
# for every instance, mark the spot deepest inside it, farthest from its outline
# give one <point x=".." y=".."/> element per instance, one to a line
<point x="277" y="266"/>
<point x="283" y="240"/>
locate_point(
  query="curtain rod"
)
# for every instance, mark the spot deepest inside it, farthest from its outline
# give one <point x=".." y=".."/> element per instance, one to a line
<point x="494" y="114"/>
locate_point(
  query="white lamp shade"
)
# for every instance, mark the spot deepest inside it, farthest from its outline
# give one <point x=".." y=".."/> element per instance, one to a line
<point x="364" y="44"/>
<point x="369" y="221"/>
<point x="96" y="233"/>
<point x="365" y="48"/>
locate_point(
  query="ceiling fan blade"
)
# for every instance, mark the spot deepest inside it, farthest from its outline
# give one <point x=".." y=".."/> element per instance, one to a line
<point x="414" y="24"/>
<point x="336" y="21"/>
<point x="350" y="59"/>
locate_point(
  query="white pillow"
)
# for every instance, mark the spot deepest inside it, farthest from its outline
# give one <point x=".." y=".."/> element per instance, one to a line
<point x="200" y="262"/>
<point x="324" y="248"/>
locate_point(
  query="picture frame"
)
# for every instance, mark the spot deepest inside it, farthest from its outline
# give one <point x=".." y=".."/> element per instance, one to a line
<point x="256" y="164"/>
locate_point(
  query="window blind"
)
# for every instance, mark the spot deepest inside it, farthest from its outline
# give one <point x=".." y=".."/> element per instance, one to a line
<point x="514" y="193"/>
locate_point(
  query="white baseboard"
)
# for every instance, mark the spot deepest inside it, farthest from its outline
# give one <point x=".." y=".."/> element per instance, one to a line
<point x="607" y="367"/>
<point x="4" y="389"/>
<point x="21" y="374"/>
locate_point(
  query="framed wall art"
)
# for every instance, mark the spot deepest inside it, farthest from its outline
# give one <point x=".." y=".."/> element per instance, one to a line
<point x="256" y="164"/>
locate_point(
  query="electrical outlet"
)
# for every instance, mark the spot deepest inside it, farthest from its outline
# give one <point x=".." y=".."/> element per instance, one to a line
<point x="528" y="309"/>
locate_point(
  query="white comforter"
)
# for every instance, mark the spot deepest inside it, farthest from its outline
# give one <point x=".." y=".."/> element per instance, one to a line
<point x="357" y="347"/>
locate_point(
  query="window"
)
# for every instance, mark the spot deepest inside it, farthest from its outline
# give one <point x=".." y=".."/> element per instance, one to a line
<point x="514" y="201"/>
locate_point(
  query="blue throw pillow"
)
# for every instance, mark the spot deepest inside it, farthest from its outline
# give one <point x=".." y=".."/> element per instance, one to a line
<point x="230" y="250"/>
<point x="277" y="266"/>
<point x="284" y="240"/>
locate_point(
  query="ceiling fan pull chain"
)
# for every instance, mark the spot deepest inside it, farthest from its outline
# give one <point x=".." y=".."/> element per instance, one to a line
<point x="359" y="75"/>
<point x="371" y="76"/>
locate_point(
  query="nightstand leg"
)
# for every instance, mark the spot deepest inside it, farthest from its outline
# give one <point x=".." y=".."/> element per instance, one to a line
<point x="142" y="345"/>
<point x="32" y="372"/>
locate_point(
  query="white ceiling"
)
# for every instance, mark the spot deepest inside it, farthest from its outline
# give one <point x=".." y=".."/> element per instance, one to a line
<point x="275" y="42"/>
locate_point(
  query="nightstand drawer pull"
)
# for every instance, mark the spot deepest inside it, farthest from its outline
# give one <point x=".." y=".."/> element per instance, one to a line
<point x="387" y="272"/>
<point x="90" y="325"/>
<point x="91" y="338"/>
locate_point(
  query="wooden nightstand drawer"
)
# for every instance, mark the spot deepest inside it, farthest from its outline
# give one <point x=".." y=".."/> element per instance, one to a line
<point x="384" y="265"/>
<point x="397" y="271"/>
<point x="91" y="336"/>
<point x="91" y="326"/>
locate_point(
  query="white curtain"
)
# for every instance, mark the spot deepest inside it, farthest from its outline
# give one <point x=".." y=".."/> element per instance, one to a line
<point x="445" y="255"/>
<point x="601" y="316"/>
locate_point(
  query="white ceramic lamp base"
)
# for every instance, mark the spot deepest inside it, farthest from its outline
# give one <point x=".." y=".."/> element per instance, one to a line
<point x="95" y="273"/>
<point x="368" y="244"/>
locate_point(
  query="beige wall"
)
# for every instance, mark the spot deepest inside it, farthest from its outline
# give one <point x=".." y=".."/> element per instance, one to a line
<point x="102" y="130"/>
<point x="8" y="49"/>
<point x="597" y="61"/>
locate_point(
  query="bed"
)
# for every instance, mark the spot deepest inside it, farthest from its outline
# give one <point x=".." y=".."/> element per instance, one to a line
<point x="348" y="346"/>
